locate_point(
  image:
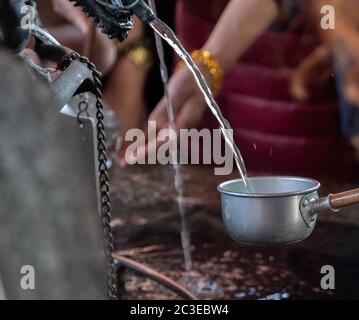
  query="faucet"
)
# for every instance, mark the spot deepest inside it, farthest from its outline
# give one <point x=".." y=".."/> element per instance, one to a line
<point x="139" y="8"/>
<point x="114" y="16"/>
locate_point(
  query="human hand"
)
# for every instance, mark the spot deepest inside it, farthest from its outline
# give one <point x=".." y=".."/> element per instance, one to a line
<point x="91" y="42"/>
<point x="188" y="108"/>
<point x="74" y="15"/>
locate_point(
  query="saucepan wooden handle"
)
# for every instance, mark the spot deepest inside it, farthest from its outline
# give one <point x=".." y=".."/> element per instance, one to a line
<point x="344" y="199"/>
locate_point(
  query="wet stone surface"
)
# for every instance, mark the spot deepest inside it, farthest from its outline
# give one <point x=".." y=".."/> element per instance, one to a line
<point x="147" y="229"/>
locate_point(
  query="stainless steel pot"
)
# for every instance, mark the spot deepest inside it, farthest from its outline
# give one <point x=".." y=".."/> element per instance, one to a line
<point x="281" y="210"/>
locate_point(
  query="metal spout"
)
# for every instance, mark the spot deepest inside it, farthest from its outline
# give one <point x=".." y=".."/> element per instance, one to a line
<point x="68" y="83"/>
<point x="140" y="9"/>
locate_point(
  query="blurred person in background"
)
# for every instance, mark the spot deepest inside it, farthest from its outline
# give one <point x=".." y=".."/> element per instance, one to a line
<point x="130" y="73"/>
<point x="72" y="28"/>
<point x="137" y="73"/>
<point x="279" y="91"/>
<point x="123" y="80"/>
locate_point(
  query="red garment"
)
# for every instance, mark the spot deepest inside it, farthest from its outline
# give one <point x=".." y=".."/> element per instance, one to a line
<point x="274" y="132"/>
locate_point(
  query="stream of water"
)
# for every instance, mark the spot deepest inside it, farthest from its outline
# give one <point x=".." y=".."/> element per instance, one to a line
<point x="163" y="31"/>
<point x="185" y="235"/>
<point x="169" y="36"/>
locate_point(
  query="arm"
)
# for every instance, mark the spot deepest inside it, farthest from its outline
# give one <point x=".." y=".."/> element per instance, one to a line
<point x="242" y="22"/>
<point x="102" y="51"/>
<point x="69" y="36"/>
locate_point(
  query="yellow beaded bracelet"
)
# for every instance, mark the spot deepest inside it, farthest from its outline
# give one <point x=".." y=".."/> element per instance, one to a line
<point x="213" y="66"/>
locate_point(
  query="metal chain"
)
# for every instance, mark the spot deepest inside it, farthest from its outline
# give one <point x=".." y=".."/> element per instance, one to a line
<point x="103" y="172"/>
<point x="82" y="107"/>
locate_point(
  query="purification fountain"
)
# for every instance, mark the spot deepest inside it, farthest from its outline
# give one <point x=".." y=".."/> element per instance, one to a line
<point x="308" y="204"/>
<point x="113" y="16"/>
<point x="147" y="15"/>
<point x="76" y="74"/>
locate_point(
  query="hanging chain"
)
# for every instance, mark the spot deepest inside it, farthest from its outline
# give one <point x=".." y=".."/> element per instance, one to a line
<point x="82" y="108"/>
<point x="103" y="171"/>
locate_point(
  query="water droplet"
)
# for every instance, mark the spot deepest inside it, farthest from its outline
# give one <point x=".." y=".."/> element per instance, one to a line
<point x="285" y="295"/>
<point x="252" y="291"/>
<point x="203" y="287"/>
<point x="240" y="295"/>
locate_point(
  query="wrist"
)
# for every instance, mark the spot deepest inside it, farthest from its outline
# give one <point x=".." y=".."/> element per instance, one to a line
<point x="218" y="54"/>
<point x="210" y="66"/>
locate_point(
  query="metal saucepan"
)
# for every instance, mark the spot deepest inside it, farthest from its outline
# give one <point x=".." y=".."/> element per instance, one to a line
<point x="281" y="210"/>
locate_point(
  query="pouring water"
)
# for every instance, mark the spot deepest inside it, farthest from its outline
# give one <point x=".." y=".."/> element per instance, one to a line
<point x="163" y="31"/>
<point x="185" y="235"/>
<point x="169" y="36"/>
